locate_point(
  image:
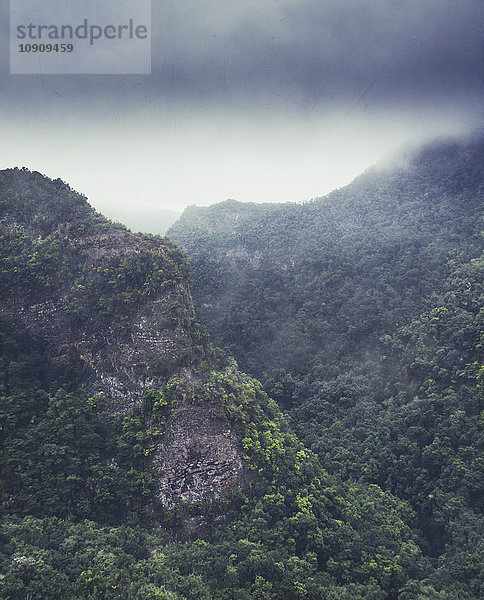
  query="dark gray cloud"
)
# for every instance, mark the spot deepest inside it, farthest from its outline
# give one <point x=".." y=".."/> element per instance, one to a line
<point x="322" y="52"/>
<point x="314" y="54"/>
<point x="258" y="100"/>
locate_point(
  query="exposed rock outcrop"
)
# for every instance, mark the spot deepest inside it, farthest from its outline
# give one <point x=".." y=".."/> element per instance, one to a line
<point x="200" y="458"/>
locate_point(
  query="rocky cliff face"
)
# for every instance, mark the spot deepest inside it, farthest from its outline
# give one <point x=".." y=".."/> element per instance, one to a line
<point x="122" y="303"/>
<point x="118" y="359"/>
<point x="199" y="458"/>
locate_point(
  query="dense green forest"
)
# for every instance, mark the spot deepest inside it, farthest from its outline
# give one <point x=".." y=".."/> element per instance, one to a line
<point x="361" y="313"/>
<point x="361" y="466"/>
<point x="106" y="379"/>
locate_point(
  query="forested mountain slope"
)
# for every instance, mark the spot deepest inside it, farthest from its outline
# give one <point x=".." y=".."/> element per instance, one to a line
<point x="293" y="285"/>
<point x="135" y="460"/>
<point x="362" y="314"/>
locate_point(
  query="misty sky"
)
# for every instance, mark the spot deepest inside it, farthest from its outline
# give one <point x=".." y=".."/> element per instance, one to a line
<point x="254" y="100"/>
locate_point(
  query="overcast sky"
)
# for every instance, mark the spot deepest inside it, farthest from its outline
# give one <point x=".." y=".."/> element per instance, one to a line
<point x="258" y="100"/>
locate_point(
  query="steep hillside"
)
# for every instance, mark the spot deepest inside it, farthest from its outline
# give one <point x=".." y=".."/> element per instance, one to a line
<point x="362" y="314"/>
<point x="118" y="307"/>
<point x="135" y="460"/>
